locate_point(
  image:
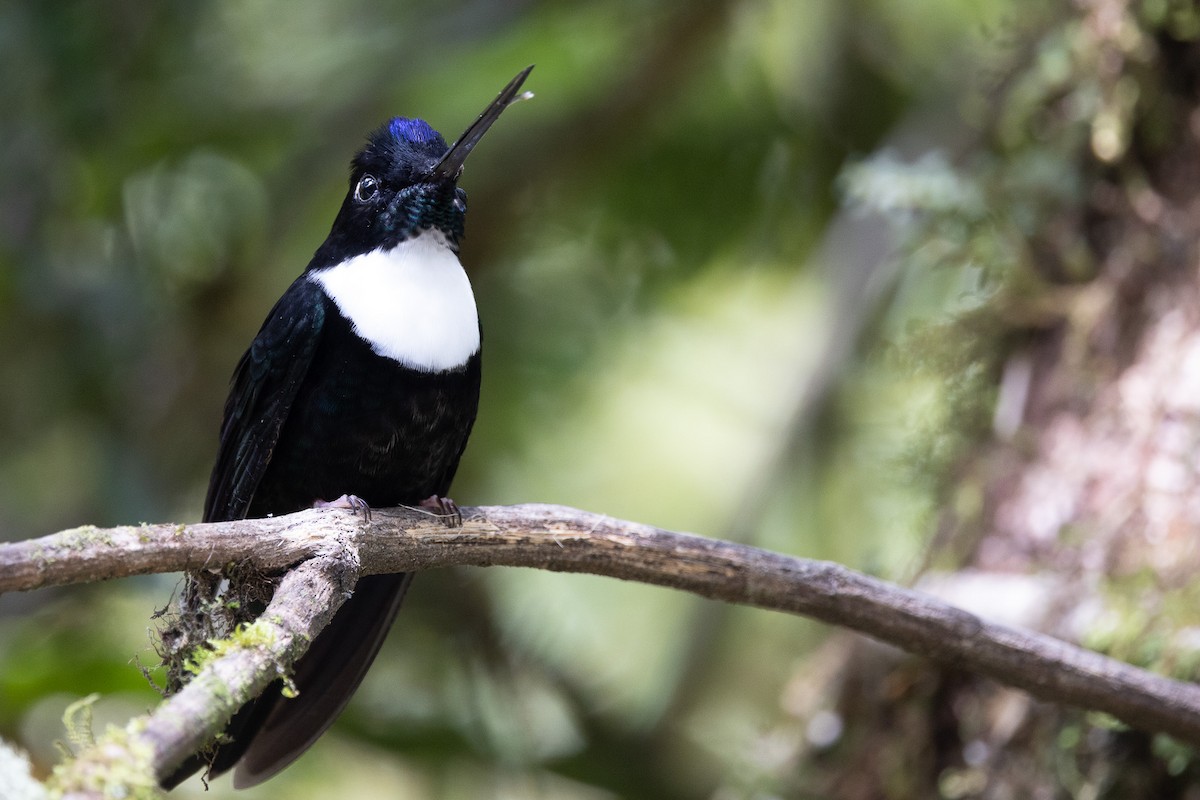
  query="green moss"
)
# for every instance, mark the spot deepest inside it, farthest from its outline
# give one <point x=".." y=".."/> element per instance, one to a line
<point x="77" y="719"/>
<point x="247" y="636"/>
<point x="260" y="633"/>
<point x="118" y="765"/>
<point x="84" y="537"/>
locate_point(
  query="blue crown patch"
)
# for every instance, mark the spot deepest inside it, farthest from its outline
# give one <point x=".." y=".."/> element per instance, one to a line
<point x="416" y="131"/>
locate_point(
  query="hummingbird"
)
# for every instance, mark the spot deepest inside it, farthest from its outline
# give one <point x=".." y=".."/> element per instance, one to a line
<point x="361" y="387"/>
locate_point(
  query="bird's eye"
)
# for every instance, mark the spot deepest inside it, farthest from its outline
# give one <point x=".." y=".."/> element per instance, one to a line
<point x="366" y="189"/>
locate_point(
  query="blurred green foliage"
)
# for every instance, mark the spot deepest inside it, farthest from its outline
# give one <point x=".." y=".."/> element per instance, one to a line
<point x="647" y="239"/>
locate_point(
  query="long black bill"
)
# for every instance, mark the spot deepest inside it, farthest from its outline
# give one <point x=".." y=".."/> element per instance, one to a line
<point x="450" y="167"/>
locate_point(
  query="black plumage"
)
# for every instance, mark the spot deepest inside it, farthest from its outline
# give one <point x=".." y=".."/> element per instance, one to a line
<point x="317" y="411"/>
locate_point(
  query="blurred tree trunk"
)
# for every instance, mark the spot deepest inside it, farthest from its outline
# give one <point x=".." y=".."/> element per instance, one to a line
<point x="1078" y="509"/>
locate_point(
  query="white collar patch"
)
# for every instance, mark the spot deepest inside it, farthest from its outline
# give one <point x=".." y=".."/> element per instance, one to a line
<point x="412" y="304"/>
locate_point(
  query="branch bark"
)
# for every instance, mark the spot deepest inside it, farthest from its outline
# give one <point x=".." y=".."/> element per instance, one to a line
<point x="333" y="548"/>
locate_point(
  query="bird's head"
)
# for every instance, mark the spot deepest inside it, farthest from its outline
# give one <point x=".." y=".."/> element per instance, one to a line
<point x="405" y="181"/>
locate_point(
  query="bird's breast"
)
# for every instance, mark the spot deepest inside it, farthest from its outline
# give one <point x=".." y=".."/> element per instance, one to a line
<point x="367" y="425"/>
<point x="412" y="303"/>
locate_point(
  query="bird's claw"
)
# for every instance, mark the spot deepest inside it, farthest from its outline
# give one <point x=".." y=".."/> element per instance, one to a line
<point x="351" y="502"/>
<point x="445" y="508"/>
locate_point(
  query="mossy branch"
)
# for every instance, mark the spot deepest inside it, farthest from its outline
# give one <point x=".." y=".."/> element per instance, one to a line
<point x="324" y="552"/>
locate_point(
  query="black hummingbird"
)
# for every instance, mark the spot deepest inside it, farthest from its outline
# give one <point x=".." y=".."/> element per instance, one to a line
<point x="363" y="382"/>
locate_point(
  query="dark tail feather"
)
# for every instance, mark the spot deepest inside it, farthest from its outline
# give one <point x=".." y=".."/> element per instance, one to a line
<point x="273" y="731"/>
<point x="326" y="677"/>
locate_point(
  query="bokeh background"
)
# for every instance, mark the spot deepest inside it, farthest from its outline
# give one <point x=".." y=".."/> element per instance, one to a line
<point x="691" y="319"/>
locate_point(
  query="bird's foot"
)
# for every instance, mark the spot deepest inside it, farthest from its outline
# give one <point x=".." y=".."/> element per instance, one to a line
<point x="351" y="502"/>
<point x="445" y="508"/>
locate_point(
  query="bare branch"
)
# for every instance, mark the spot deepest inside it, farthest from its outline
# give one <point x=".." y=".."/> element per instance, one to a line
<point x="568" y="540"/>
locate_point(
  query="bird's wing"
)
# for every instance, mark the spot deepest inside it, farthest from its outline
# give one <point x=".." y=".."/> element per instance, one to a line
<point x="263" y="388"/>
